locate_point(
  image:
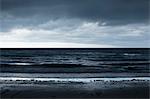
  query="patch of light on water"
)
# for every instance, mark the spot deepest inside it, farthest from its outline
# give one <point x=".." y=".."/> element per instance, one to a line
<point x="20" y="63"/>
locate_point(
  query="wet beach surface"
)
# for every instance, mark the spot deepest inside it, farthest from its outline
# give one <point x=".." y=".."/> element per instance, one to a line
<point x="100" y="89"/>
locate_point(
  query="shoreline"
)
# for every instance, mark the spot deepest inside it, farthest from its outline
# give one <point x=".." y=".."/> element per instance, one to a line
<point x="59" y="80"/>
<point x="74" y="85"/>
<point x="123" y="89"/>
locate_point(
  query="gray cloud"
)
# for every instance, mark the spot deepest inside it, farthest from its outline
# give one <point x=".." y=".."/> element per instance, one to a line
<point x="65" y="30"/>
<point x="122" y="11"/>
<point x="32" y="12"/>
<point x="110" y="22"/>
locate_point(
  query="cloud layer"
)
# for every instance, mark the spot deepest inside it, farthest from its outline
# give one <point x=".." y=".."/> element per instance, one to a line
<point x="117" y="23"/>
<point x="81" y="32"/>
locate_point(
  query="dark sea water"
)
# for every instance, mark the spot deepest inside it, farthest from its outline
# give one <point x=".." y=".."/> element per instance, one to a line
<point x="74" y="61"/>
<point x="50" y="73"/>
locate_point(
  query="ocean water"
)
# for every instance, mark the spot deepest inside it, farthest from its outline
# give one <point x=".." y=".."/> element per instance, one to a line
<point x="75" y="60"/>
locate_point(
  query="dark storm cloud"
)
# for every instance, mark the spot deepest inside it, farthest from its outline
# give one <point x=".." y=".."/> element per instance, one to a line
<point x="119" y="23"/>
<point x="117" y="11"/>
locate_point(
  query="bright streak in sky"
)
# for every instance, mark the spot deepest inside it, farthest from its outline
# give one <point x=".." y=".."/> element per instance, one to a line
<point x="49" y="45"/>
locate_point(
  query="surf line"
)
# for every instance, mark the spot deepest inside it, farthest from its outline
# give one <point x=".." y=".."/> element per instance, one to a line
<point x="75" y="79"/>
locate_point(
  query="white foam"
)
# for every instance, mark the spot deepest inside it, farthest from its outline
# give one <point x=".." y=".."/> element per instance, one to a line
<point x="74" y="79"/>
<point x="127" y="54"/>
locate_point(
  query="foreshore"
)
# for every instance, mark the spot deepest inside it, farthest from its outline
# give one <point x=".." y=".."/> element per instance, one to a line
<point x="76" y="88"/>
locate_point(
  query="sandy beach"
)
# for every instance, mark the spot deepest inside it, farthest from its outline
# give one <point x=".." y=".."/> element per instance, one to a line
<point x="95" y="89"/>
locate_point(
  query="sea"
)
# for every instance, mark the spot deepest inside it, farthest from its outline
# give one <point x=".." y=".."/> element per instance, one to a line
<point x="71" y="63"/>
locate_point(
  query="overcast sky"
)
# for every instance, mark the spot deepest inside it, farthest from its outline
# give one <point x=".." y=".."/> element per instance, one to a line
<point x="74" y="23"/>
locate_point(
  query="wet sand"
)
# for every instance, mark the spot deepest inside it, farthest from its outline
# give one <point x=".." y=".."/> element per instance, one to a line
<point x="98" y="89"/>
